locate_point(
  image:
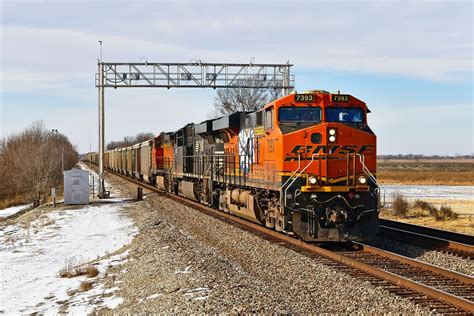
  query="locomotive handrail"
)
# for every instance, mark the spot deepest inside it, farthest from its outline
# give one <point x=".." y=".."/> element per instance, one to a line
<point x="294" y="172"/>
<point x="371" y="177"/>
<point x="364" y="168"/>
<point x="312" y="160"/>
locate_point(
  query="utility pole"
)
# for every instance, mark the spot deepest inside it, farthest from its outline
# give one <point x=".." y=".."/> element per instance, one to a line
<point x="101" y="132"/>
<point x="196" y="74"/>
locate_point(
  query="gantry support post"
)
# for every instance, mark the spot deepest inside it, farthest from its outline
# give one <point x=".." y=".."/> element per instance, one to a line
<point x="101" y="131"/>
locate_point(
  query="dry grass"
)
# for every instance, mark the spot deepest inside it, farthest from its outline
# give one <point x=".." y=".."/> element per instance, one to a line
<point x="85" y="286"/>
<point x="10" y="240"/>
<point x="73" y="269"/>
<point x="464" y="224"/>
<point x="421" y="208"/>
<point x="400" y="205"/>
<point x="426" y="177"/>
<point x="426" y="172"/>
<point x="401" y="208"/>
<point x="91" y="271"/>
<point x="12" y="201"/>
<point x="446" y="213"/>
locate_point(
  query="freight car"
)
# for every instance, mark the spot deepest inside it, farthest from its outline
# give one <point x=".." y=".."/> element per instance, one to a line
<point x="304" y="164"/>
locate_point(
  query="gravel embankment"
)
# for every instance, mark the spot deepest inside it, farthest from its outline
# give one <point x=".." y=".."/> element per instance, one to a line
<point x="444" y="260"/>
<point x="183" y="261"/>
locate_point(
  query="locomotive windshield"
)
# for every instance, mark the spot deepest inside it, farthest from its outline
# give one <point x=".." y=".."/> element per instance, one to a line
<point x="347" y="115"/>
<point x="299" y="114"/>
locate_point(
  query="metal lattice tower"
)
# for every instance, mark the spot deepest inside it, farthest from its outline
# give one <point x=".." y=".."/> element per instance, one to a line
<point x="185" y="75"/>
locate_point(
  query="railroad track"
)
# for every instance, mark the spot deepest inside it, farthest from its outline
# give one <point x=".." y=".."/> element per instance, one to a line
<point x="435" y="239"/>
<point x="442" y="291"/>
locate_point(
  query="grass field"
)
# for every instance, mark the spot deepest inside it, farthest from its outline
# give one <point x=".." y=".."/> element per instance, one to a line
<point x="428" y="172"/>
<point x="454" y="172"/>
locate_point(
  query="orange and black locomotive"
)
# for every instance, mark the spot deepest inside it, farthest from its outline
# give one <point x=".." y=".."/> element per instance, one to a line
<point x="304" y="164"/>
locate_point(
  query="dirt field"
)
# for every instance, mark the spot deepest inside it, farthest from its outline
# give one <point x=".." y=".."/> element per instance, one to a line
<point x="434" y="172"/>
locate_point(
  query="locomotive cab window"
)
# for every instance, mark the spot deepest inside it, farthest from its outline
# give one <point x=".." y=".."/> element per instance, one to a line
<point x="299" y="114"/>
<point x="345" y="115"/>
<point x="269" y="119"/>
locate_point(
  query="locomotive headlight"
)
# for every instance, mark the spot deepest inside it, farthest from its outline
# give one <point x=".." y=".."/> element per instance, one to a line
<point x="362" y="180"/>
<point x="312" y="180"/>
<point x="332" y="131"/>
<point x="332" y="138"/>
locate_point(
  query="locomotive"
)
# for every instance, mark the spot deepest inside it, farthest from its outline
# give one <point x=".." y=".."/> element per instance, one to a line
<point x="303" y="164"/>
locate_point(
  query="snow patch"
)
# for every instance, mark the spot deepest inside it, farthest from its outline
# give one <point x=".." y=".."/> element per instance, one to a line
<point x="33" y="253"/>
<point x="431" y="191"/>
<point x="85" y="303"/>
<point x="13" y="210"/>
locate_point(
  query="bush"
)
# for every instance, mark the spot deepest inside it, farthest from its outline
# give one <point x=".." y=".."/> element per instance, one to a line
<point x="85" y="286"/>
<point x="400" y="205"/>
<point x="423" y="206"/>
<point x="91" y="271"/>
<point x="72" y="269"/>
<point x="443" y="213"/>
<point x="446" y="212"/>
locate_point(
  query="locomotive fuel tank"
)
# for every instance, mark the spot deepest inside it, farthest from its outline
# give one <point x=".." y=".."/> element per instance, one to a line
<point x="242" y="203"/>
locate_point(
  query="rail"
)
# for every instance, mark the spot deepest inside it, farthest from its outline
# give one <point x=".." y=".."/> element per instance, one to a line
<point x="434" y="296"/>
<point x="454" y="243"/>
<point x="432" y="232"/>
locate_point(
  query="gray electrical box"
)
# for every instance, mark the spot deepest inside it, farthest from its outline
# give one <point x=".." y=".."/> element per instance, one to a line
<point x="76" y="186"/>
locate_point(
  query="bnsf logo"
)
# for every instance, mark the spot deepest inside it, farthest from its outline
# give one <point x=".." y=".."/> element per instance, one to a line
<point x="311" y="150"/>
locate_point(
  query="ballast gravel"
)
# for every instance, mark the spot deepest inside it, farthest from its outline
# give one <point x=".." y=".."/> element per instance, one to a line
<point x="441" y="259"/>
<point x="183" y="261"/>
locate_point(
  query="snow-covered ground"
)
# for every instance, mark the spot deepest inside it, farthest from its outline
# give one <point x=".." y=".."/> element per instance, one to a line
<point x="12" y="210"/>
<point x="432" y="192"/>
<point x="32" y="254"/>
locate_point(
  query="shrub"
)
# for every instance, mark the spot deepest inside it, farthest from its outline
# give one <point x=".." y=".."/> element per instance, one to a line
<point x="73" y="269"/>
<point x="91" y="271"/>
<point x="446" y="212"/>
<point x="70" y="269"/>
<point x="400" y="205"/>
<point x="85" y="286"/>
<point x="420" y="207"/>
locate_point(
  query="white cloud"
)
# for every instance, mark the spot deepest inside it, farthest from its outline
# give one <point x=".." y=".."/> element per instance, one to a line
<point x="50" y="49"/>
<point x="418" y="40"/>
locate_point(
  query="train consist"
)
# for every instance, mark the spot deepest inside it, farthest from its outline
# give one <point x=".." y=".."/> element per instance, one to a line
<point x="304" y="164"/>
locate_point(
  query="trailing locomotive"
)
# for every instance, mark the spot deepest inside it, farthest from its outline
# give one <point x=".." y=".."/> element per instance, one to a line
<point x="304" y="164"/>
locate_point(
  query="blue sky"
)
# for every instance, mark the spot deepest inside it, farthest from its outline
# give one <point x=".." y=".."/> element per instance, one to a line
<point x="411" y="61"/>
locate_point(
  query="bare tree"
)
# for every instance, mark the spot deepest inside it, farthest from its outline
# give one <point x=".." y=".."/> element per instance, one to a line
<point x="129" y="140"/>
<point x="141" y="137"/>
<point x="31" y="163"/>
<point x="230" y="100"/>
